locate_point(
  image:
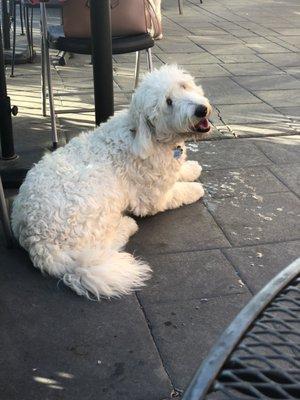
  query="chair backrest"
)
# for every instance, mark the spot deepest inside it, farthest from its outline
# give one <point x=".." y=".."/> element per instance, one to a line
<point x="50" y="3"/>
<point x="128" y="17"/>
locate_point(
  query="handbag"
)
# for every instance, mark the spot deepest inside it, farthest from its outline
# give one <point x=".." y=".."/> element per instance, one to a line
<point x="128" y="17"/>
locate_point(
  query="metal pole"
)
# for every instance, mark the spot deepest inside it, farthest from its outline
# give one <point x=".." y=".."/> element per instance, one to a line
<point x="102" y="59"/>
<point x="6" y="132"/>
<point x="5" y="25"/>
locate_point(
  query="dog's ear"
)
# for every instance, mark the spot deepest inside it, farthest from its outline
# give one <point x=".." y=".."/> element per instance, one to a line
<point x="142" y="144"/>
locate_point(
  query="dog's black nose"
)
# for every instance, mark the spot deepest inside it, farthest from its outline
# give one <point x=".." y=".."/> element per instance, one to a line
<point x="201" y="111"/>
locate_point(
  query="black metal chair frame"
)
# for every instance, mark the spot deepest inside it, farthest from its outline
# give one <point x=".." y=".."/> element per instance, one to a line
<point x="120" y="45"/>
<point x="180" y="8"/>
<point x="26" y="18"/>
<point x="206" y="378"/>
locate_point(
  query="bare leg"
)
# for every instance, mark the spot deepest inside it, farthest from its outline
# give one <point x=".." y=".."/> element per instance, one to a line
<point x="190" y="171"/>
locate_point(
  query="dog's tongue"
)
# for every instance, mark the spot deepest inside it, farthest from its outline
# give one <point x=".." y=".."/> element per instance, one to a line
<point x="203" y="123"/>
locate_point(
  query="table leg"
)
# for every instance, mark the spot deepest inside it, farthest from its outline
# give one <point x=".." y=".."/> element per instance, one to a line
<point x="5" y="25"/>
<point x="102" y="59"/>
<point x="6" y="132"/>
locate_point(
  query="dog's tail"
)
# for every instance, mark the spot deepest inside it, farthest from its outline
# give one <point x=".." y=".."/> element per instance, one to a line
<point x="102" y="273"/>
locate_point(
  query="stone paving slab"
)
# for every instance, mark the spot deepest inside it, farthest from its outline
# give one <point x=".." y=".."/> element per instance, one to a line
<point x="195" y="275"/>
<point x="238" y="58"/>
<point x="177" y="44"/>
<point x="203" y="71"/>
<point x="227" y="49"/>
<point x="214" y="39"/>
<point x="185" y="229"/>
<point x="224" y="91"/>
<point x="257" y="265"/>
<point x="57" y="345"/>
<point x="289" y="175"/>
<point x="264" y="218"/>
<point x="267" y="82"/>
<point x="256" y="114"/>
<point x="190" y="58"/>
<point x="282" y="60"/>
<point x="253" y="68"/>
<point x="280" y="150"/>
<point x="292" y="112"/>
<point x="263" y="129"/>
<point x="265" y="48"/>
<point x="294" y="71"/>
<point x="278" y="98"/>
<point x="287" y="31"/>
<point x="241" y="182"/>
<point x="180" y="330"/>
<point x="227" y="154"/>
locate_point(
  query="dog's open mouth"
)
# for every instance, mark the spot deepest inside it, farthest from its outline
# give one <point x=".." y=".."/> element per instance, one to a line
<point x="202" y="126"/>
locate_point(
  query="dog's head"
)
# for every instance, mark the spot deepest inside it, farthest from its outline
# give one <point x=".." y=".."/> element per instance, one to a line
<point x="168" y="107"/>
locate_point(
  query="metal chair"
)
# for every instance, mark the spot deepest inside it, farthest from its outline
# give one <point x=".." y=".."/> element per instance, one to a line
<point x="26" y="18"/>
<point x="180" y="8"/>
<point x="53" y="37"/>
<point x="4" y="216"/>
<point x="257" y="356"/>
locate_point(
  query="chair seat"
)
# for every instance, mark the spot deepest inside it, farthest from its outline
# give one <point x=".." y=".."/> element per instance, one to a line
<point x="120" y="45"/>
<point x="49" y="4"/>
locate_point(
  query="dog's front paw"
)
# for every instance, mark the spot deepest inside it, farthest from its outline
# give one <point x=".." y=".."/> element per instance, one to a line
<point x="194" y="192"/>
<point x="190" y="171"/>
<point x="131" y="225"/>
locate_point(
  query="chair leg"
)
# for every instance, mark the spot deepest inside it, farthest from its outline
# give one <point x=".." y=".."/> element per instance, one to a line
<point x="201" y="1"/>
<point x="31" y="31"/>
<point x="43" y="79"/>
<point x="21" y="18"/>
<point x="48" y="74"/>
<point x="149" y="60"/>
<point x="180" y="7"/>
<point x="137" y="68"/>
<point x="27" y="28"/>
<point x="5" y="218"/>
<point x="14" y="40"/>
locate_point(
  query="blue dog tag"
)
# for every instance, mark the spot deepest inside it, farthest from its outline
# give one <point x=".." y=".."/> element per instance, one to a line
<point x="177" y="152"/>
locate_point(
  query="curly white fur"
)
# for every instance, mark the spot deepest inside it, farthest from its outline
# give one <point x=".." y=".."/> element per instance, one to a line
<point x="70" y="213"/>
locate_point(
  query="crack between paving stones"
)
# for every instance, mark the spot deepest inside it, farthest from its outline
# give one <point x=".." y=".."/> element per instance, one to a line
<point x="237" y="272"/>
<point x="240" y="246"/>
<point x="284" y="183"/>
<point x="289" y="121"/>
<point x="224" y="123"/>
<point x="175" y="390"/>
<point x="217" y="223"/>
<point x="203" y="299"/>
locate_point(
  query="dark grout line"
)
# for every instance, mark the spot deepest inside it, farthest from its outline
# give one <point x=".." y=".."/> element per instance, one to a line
<point x="239" y="196"/>
<point x="154" y="341"/>
<point x="238" y="273"/>
<point x="200" y="299"/>
<point x="270" y="105"/>
<point x="220" y="248"/>
<point x="282" y="181"/>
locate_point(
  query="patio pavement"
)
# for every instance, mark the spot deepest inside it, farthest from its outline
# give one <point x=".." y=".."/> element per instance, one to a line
<point x="208" y="258"/>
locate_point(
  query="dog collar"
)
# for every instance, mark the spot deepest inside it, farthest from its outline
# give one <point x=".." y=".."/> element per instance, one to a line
<point x="177" y="152"/>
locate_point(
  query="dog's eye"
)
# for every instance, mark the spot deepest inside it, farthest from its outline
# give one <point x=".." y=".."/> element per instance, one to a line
<point x="169" y="101"/>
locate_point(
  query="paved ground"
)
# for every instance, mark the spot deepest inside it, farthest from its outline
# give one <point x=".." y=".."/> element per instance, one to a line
<point x="208" y="258"/>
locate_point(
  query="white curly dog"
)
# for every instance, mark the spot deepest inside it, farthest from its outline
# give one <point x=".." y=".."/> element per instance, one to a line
<point x="71" y="213"/>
